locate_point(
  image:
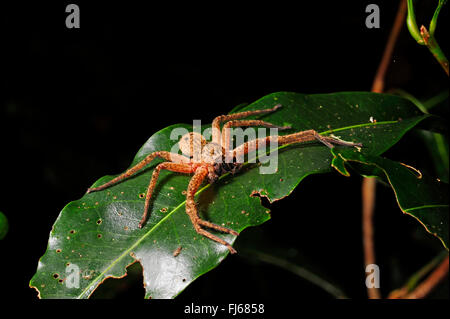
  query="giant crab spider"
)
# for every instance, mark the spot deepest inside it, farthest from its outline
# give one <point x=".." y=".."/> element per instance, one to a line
<point x="206" y="160"/>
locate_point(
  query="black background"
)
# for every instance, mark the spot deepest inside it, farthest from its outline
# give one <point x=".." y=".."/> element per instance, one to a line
<point x="77" y="104"/>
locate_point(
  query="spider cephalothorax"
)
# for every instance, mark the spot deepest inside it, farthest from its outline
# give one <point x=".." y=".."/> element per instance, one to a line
<point x="210" y="160"/>
<point x="194" y="146"/>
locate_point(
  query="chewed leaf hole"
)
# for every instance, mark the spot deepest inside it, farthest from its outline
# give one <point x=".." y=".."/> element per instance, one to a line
<point x="99" y="221"/>
<point x="55" y="276"/>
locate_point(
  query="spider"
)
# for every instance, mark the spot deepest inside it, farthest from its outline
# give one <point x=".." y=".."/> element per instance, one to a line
<point x="206" y="160"/>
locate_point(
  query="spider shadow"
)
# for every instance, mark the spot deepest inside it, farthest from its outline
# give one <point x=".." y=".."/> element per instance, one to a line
<point x="206" y="199"/>
<point x="269" y="156"/>
<point x="208" y="196"/>
<point x="203" y="201"/>
<point x="161" y="182"/>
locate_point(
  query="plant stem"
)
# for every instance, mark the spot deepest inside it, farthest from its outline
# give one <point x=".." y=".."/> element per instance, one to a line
<point x="378" y="82"/>
<point x="412" y="24"/>
<point x="368" y="209"/>
<point x="431" y="282"/>
<point x="425" y="37"/>
<point x="434" y="48"/>
<point x="414" y="280"/>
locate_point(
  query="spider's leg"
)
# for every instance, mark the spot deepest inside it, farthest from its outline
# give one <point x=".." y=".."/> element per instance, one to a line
<point x="173" y="167"/>
<point x="217" y="227"/>
<point x="331" y="141"/>
<point x="216" y="134"/>
<point x="166" y="155"/>
<point x="235" y="123"/>
<point x="299" y="137"/>
<point x="309" y="135"/>
<point x="191" y="210"/>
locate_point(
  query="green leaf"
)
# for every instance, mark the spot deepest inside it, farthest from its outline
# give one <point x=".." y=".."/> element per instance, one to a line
<point x="417" y="194"/>
<point x="437" y="145"/>
<point x="99" y="233"/>
<point x="3" y="225"/>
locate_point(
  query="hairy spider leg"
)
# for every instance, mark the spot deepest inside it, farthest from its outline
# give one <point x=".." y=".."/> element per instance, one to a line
<point x="216" y="132"/>
<point x="163" y="154"/>
<point x="191" y="210"/>
<point x="236" y="123"/>
<point x="173" y="167"/>
<point x="299" y="137"/>
<point x="310" y="135"/>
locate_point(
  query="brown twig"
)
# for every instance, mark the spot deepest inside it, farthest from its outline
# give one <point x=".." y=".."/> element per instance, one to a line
<point x="378" y="82"/>
<point x="369" y="185"/>
<point x="412" y="289"/>
<point x="368" y="207"/>
<point x="424" y="288"/>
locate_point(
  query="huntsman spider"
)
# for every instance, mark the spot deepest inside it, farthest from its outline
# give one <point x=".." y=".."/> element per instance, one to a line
<point x="206" y="160"/>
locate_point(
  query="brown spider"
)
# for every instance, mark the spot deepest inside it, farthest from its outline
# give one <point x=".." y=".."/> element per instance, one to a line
<point x="207" y="160"/>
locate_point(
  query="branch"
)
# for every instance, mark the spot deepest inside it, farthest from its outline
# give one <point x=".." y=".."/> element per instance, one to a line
<point x="378" y="82"/>
<point x="369" y="184"/>
<point x="415" y="279"/>
<point x="425" y="37"/>
<point x="431" y="282"/>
